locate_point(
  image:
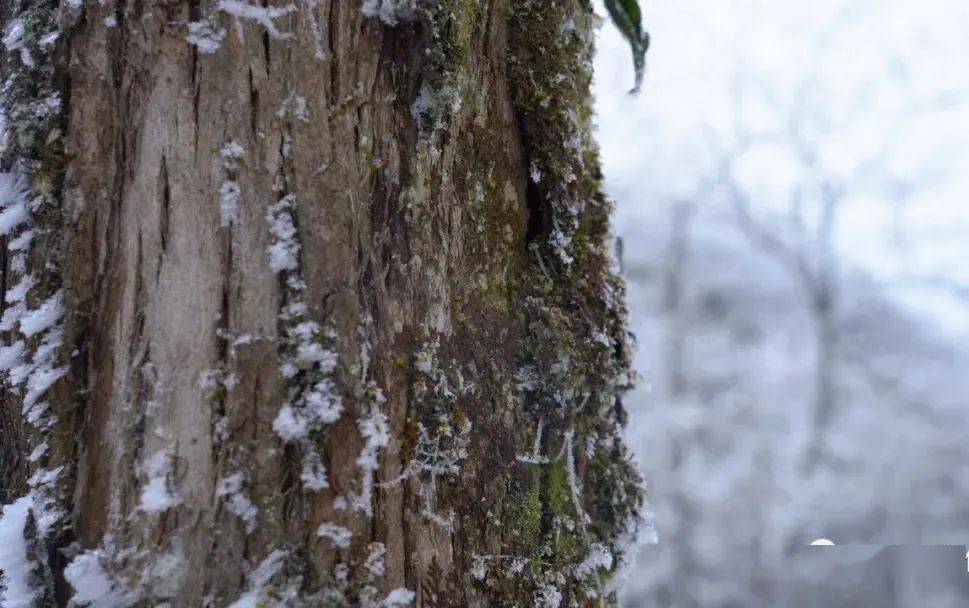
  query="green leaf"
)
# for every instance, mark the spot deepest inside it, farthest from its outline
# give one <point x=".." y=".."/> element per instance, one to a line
<point x="628" y="18"/>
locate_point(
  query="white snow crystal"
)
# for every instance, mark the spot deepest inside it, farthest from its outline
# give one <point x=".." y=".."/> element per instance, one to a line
<point x="231" y="153"/>
<point x="535" y="173"/>
<point x="548" y="597"/>
<point x="313" y="473"/>
<point x="263" y="15"/>
<point x="229" y="192"/>
<point x="322" y="406"/>
<point x="599" y="557"/>
<point x="294" y="106"/>
<point x="41" y="379"/>
<point x="323" y="403"/>
<point x="229" y="195"/>
<point x="422" y="105"/>
<point x="38" y="452"/>
<point x="258" y="579"/>
<point x="390" y="12"/>
<point x="18" y="292"/>
<point x="399" y="597"/>
<point x="230" y="489"/>
<point x="376" y="563"/>
<point x="14" y="190"/>
<point x="22" y="241"/>
<point x="479" y="567"/>
<point x="16" y="590"/>
<point x="374" y="430"/>
<point x="206" y="36"/>
<point x="93" y="586"/>
<point x="47" y="40"/>
<point x="12" y="316"/>
<point x="267" y="569"/>
<point x="12" y="355"/>
<point x="13" y="40"/>
<point x="43" y="317"/>
<point x="291" y="424"/>
<point x="561" y="242"/>
<point x="311" y="8"/>
<point x="13" y="216"/>
<point x="338" y="535"/>
<point x="156" y="496"/>
<point x="284" y="251"/>
<point x="309" y="353"/>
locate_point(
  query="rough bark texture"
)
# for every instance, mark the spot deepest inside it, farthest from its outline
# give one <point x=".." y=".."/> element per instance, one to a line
<point x="447" y="341"/>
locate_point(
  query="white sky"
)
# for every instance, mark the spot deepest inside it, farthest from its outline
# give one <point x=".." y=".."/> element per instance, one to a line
<point x="878" y="89"/>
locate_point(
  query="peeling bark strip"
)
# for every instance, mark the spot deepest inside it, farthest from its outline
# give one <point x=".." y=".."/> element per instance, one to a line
<point x="307" y="304"/>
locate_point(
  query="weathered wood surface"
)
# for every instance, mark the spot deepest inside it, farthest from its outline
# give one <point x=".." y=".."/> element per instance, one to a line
<point x="444" y="191"/>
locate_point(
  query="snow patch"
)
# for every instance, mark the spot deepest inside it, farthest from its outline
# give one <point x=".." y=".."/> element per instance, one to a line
<point x="229" y="195"/>
<point x="229" y="192"/>
<point x="18" y="293"/>
<point x="599" y="557"/>
<point x="259" y="579"/>
<point x="205" y="36"/>
<point x="399" y="597"/>
<point x="14" y="191"/>
<point x="230" y="490"/>
<point x="374" y="430"/>
<point x="12" y="355"/>
<point x="262" y="15"/>
<point x="93" y="586"/>
<point x="13" y="40"/>
<point x="311" y="12"/>
<point x="338" y="535"/>
<point x="390" y="12"/>
<point x="43" y="317"/>
<point x="16" y="590"/>
<point x="313" y="473"/>
<point x="294" y="107"/>
<point x="157" y="495"/>
<point x="548" y="596"/>
<point x="283" y="253"/>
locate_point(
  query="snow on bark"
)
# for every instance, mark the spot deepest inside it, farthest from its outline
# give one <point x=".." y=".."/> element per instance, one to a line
<point x="390" y="12"/>
<point x="16" y="590"/>
<point x="205" y="35"/>
<point x="229" y="192"/>
<point x="93" y="586"/>
<point x="263" y="15"/>
<point x="157" y="495"/>
<point x="330" y="368"/>
<point x="283" y="253"/>
<point x="230" y="490"/>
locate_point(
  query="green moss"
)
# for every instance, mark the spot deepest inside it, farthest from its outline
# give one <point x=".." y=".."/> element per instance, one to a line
<point x="546" y="305"/>
<point x="455" y="24"/>
<point x="558" y="493"/>
<point x="530" y="517"/>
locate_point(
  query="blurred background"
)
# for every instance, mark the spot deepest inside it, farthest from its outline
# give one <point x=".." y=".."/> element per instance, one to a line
<point x="792" y="191"/>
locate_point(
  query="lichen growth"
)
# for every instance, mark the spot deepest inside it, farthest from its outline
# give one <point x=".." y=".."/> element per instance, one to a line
<point x="573" y="363"/>
<point x="561" y="360"/>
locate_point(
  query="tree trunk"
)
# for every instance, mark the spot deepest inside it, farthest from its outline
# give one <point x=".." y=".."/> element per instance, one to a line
<point x="307" y="305"/>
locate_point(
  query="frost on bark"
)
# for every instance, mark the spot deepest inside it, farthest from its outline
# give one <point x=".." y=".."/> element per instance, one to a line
<point x="307" y="304"/>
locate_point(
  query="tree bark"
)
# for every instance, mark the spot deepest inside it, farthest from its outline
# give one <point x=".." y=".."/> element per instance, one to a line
<point x="329" y="314"/>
